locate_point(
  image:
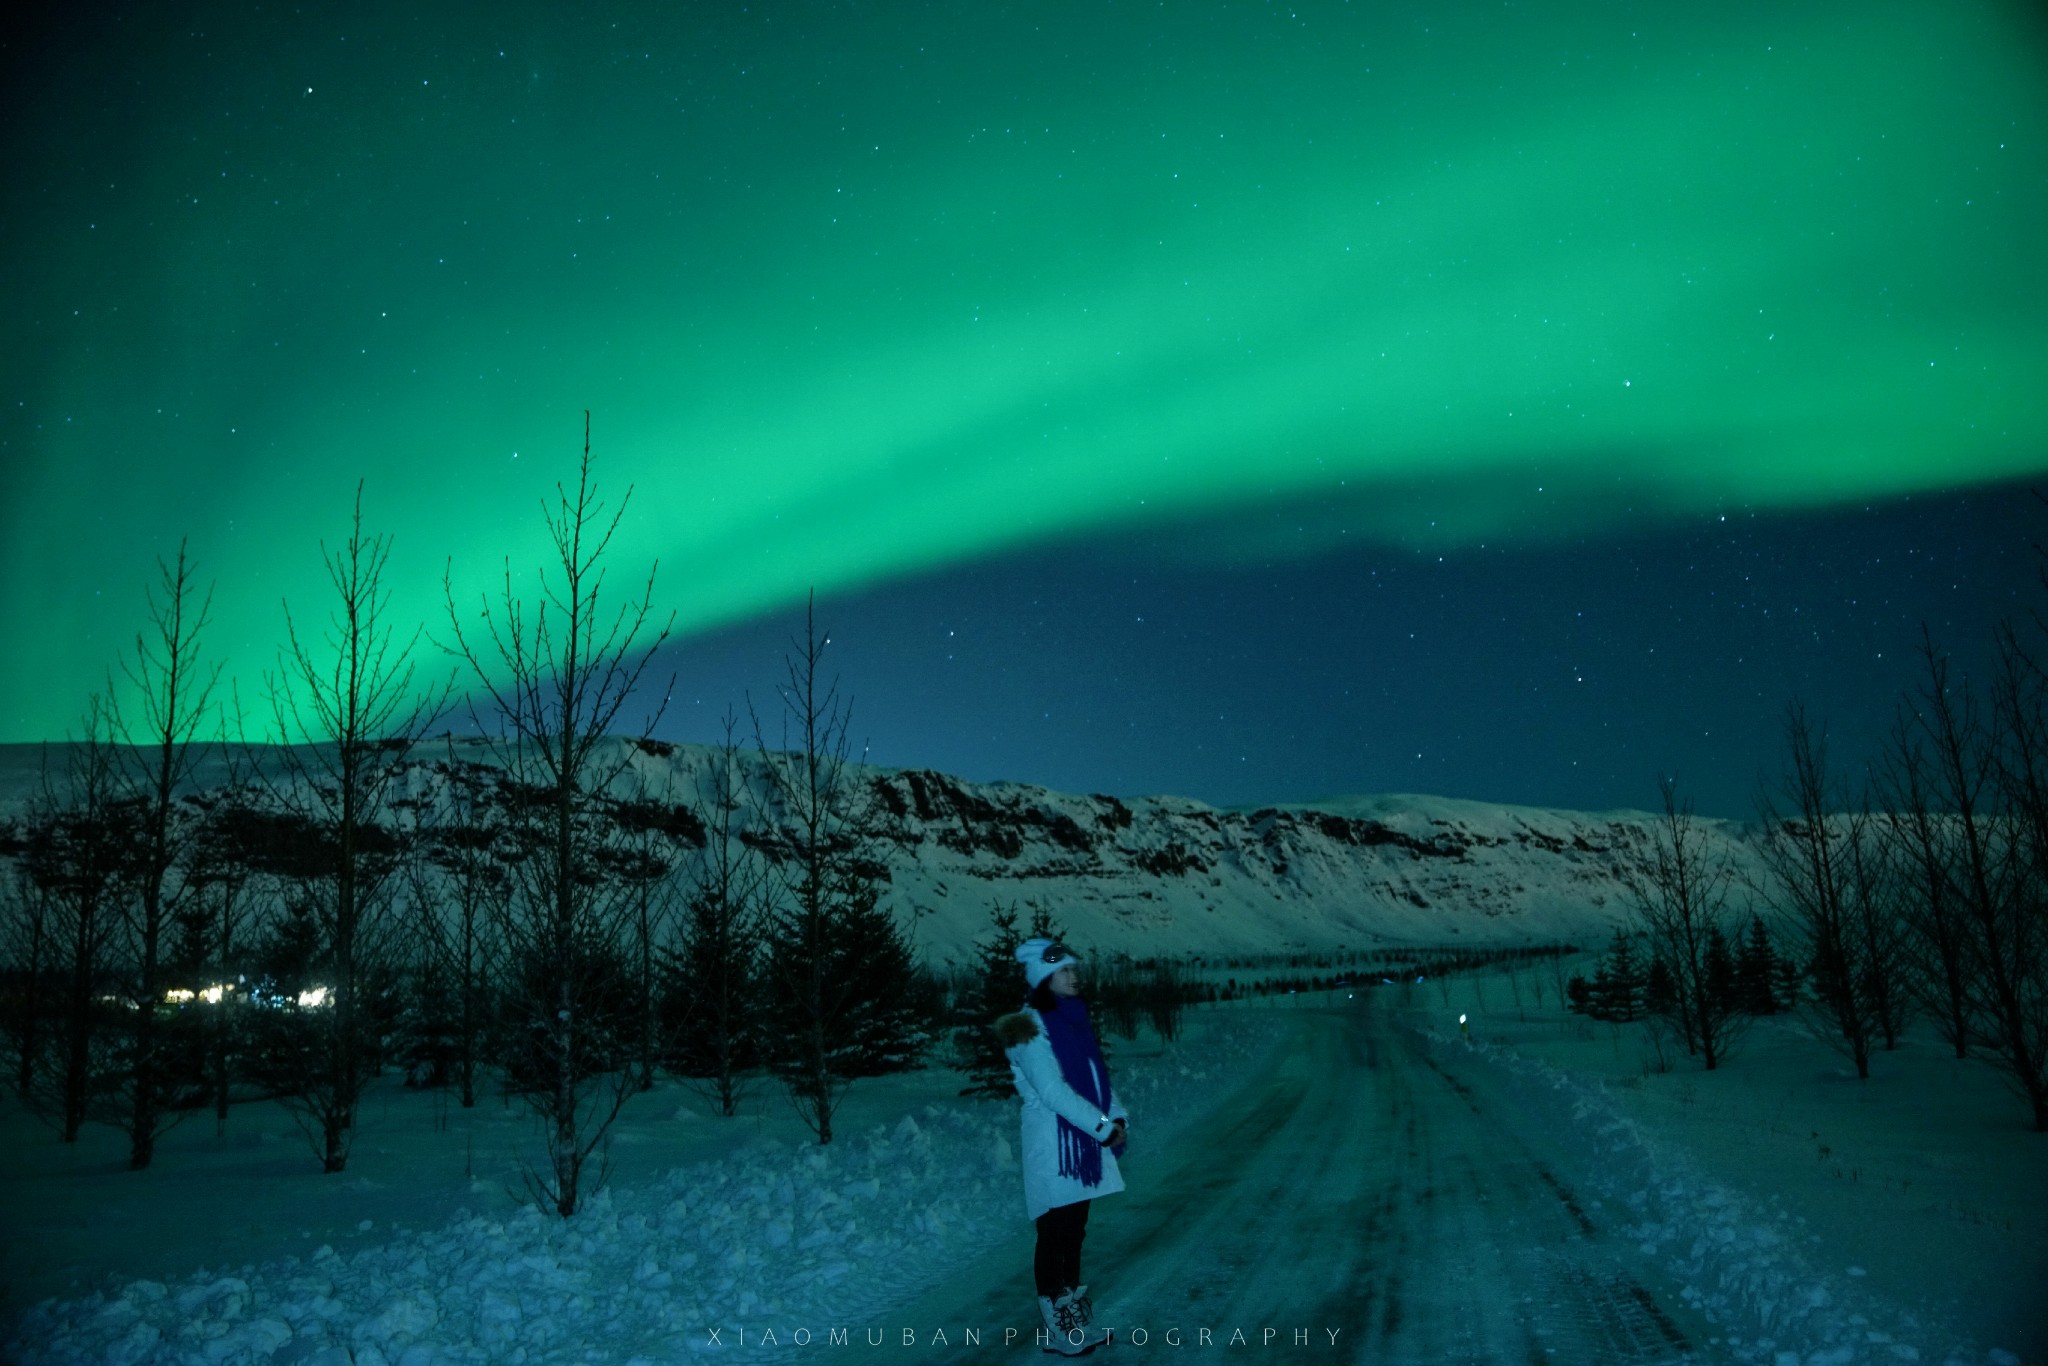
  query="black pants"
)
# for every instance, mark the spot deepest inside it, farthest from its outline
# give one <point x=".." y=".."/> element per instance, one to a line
<point x="1056" y="1266"/>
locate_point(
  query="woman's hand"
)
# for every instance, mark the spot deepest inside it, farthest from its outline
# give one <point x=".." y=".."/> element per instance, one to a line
<point x="1116" y="1136"/>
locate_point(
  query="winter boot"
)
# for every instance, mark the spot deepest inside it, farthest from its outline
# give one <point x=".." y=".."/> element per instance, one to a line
<point x="1064" y="1333"/>
<point x="1080" y="1313"/>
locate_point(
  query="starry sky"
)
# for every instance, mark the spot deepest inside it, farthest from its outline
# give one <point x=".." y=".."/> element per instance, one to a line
<point x="1246" y="401"/>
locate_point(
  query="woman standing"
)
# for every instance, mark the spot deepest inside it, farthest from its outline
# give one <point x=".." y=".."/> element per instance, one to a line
<point x="1073" y="1133"/>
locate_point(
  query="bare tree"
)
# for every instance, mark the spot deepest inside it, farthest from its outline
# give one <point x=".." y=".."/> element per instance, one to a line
<point x="221" y="877"/>
<point x="556" y="676"/>
<point x="829" y="1019"/>
<point x="644" y="860"/>
<point x="31" y="996"/>
<point x="1679" y="893"/>
<point x="457" y="869"/>
<point x="1922" y="845"/>
<point x="1809" y="851"/>
<point x="346" y="707"/>
<point x="1876" y="886"/>
<point x="2008" y="909"/>
<point x="161" y="746"/>
<point x="77" y="857"/>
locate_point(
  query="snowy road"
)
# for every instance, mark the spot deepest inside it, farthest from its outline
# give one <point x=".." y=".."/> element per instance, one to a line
<point x="1366" y="1187"/>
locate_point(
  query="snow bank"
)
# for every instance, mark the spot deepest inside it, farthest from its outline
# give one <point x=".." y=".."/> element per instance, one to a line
<point x="1744" y="1266"/>
<point x="770" y="1236"/>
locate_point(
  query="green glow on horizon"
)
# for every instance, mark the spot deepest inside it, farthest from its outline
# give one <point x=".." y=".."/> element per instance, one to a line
<point x="851" y="298"/>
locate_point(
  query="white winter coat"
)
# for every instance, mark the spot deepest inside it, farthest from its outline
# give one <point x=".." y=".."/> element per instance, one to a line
<point x="1046" y="1097"/>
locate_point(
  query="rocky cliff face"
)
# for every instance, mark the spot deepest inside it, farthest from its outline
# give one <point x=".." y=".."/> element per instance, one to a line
<point x="1158" y="875"/>
<point x="1139" y="875"/>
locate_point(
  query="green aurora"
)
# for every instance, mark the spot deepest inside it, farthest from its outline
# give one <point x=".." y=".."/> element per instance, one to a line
<point x="860" y="292"/>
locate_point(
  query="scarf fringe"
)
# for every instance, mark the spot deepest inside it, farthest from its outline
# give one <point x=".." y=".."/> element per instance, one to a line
<point x="1080" y="1155"/>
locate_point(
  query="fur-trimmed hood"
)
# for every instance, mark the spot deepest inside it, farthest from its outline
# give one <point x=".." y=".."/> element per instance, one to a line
<point x="1019" y="1028"/>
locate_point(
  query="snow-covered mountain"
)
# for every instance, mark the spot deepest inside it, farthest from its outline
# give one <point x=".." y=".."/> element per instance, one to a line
<point x="1162" y="875"/>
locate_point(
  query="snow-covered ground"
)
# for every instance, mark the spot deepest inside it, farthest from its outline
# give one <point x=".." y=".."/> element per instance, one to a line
<point x="239" y="1251"/>
<point x="1819" y="1219"/>
<point x="1776" y="1212"/>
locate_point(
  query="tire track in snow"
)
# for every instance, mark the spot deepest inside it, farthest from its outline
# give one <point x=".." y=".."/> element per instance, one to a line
<point x="1362" y="1186"/>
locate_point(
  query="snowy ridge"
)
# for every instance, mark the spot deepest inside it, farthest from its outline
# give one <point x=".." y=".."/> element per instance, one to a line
<point x="768" y="1239"/>
<point x="1145" y="875"/>
<point x="1741" y="1265"/>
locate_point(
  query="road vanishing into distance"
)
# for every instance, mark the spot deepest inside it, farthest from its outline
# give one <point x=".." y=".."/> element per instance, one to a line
<point x="1368" y="1198"/>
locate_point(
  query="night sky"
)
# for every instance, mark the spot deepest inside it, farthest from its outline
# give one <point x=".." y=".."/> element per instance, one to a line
<point x="1246" y="401"/>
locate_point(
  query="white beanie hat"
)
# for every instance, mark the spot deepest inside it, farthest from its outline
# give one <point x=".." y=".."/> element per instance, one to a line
<point x="1044" y="957"/>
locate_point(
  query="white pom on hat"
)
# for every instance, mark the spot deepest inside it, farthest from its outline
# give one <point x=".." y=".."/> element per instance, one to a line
<point x="1044" y="957"/>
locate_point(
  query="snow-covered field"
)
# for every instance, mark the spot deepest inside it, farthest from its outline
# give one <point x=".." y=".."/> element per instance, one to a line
<point x="240" y="1251"/>
<point x="1807" y="1218"/>
<point x="1900" y="1218"/>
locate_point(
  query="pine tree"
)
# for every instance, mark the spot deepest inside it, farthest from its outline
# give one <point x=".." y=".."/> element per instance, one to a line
<point x="993" y="993"/>
<point x="1617" y="991"/>
<point x="1578" y="995"/>
<point x="427" y="1041"/>
<point x="711" y="997"/>
<point x="1717" y="999"/>
<point x="889" y="1022"/>
<point x="1757" y="970"/>
<point x="1660" y="993"/>
<point x="839" y="1004"/>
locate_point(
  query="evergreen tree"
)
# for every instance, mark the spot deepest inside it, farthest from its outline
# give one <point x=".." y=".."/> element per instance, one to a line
<point x="427" y="1042"/>
<point x="1165" y="994"/>
<point x="1718" y="999"/>
<point x="992" y="993"/>
<point x="1757" y="970"/>
<point x="1617" y="990"/>
<point x="1788" y="983"/>
<point x="1660" y="993"/>
<point x="892" y="1015"/>
<point x="710" y="997"/>
<point x="712" y="986"/>
<point x="1578" y="995"/>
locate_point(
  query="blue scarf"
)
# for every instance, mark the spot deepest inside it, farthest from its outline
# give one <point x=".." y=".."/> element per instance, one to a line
<point x="1074" y="1046"/>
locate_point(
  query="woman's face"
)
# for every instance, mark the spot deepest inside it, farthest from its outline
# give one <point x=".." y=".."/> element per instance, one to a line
<point x="1065" y="982"/>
